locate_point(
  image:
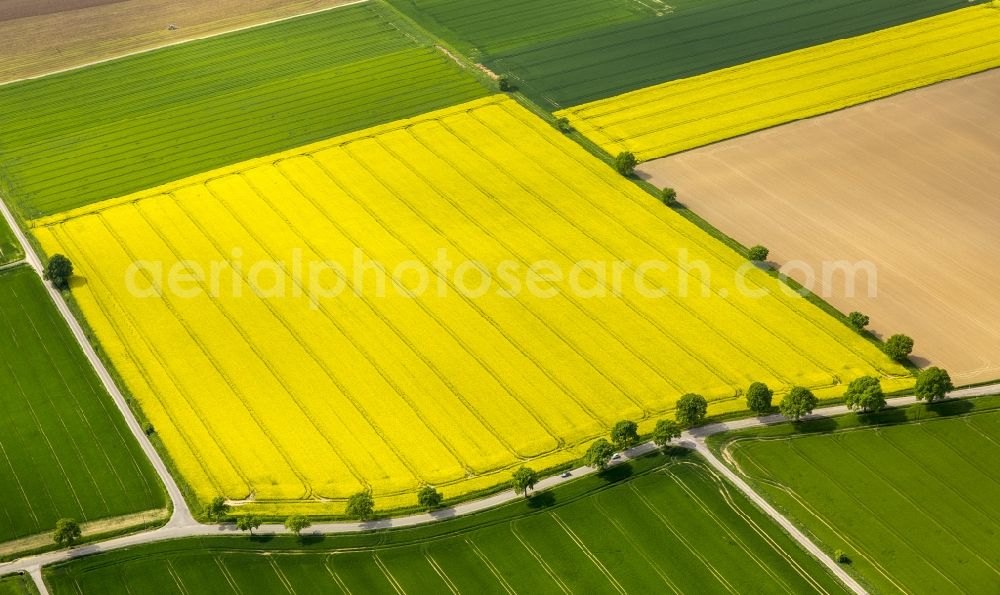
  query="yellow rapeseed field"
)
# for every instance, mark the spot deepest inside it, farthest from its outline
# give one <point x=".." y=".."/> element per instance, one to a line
<point x="206" y="295"/>
<point x="692" y="112"/>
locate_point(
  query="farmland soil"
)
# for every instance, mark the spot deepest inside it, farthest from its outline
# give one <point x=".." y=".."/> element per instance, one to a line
<point x="37" y="37"/>
<point x="907" y="184"/>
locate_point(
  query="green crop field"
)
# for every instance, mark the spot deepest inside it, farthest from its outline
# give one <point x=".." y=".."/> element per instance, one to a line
<point x="674" y="528"/>
<point x="64" y="447"/>
<point x="10" y="249"/>
<point x="912" y="502"/>
<point x="111" y="129"/>
<point x="17" y="584"/>
<point x="565" y="53"/>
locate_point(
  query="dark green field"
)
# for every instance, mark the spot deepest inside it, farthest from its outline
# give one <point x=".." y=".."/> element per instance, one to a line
<point x="64" y="448"/>
<point x="676" y="528"/>
<point x="912" y="503"/>
<point x="611" y="47"/>
<point x="108" y="130"/>
<point x="10" y="250"/>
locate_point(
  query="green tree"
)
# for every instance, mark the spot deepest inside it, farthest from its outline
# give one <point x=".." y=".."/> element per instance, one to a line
<point x="216" y="509"/>
<point x="58" y="272"/>
<point x="898" y="347"/>
<point x="297" y="523"/>
<point x="691" y="409"/>
<point x="933" y="384"/>
<point x="797" y="403"/>
<point x="758" y="253"/>
<point x="248" y="523"/>
<point x="858" y="320"/>
<point x="67" y="531"/>
<point x="625" y="434"/>
<point x="503" y="82"/>
<point x="429" y="498"/>
<point x="669" y="196"/>
<point x="361" y="506"/>
<point x="665" y="431"/>
<point x="865" y="394"/>
<point x="599" y="454"/>
<point x="625" y="163"/>
<point x="524" y="480"/>
<point x="563" y="125"/>
<point x="759" y="398"/>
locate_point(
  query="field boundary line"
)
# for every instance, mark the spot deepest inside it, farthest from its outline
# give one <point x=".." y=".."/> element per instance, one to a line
<point x="711" y="248"/>
<point x="116" y="327"/>
<point x="388" y="575"/>
<point x="489" y="369"/>
<point x="635" y="544"/>
<point x="810" y="510"/>
<point x="603" y="245"/>
<point x="281" y="575"/>
<point x="928" y="514"/>
<point x="570" y="298"/>
<point x="237" y="326"/>
<point x="586" y="551"/>
<point x="489" y="566"/>
<point x="403" y="394"/>
<point x="181" y="42"/>
<point x="732" y="534"/>
<point x="538" y="558"/>
<point x="673" y="530"/>
<point x="227" y="376"/>
<point x="728" y="499"/>
<point x="226" y="575"/>
<point x="336" y="577"/>
<point x="440" y="572"/>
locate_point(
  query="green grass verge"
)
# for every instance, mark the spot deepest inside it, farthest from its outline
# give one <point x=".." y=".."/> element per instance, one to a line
<point x="74" y="138"/>
<point x="66" y="449"/>
<point x="646" y="526"/>
<point x="10" y="249"/>
<point x="567" y="53"/>
<point x="908" y="494"/>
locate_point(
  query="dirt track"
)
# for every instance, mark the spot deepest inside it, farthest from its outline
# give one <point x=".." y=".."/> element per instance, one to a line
<point x="910" y="183"/>
<point x="36" y="39"/>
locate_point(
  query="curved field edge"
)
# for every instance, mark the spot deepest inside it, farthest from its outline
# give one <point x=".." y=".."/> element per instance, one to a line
<point x="887" y="553"/>
<point x="688" y="113"/>
<point x="185" y="109"/>
<point x="69" y="228"/>
<point x="581" y="534"/>
<point x="66" y="452"/>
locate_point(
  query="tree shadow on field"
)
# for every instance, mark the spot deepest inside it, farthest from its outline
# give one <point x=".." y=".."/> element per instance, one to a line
<point x="886" y="417"/>
<point x="617" y="473"/>
<point x="312" y="538"/>
<point x="949" y="408"/>
<point x="819" y="425"/>
<point x="258" y="538"/>
<point x="544" y="499"/>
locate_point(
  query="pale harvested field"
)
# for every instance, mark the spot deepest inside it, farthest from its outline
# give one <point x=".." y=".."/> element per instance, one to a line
<point x="36" y="39"/>
<point x="910" y="183"/>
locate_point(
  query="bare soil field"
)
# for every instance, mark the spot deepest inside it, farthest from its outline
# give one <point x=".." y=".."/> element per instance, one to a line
<point x="37" y="37"/>
<point x="908" y="184"/>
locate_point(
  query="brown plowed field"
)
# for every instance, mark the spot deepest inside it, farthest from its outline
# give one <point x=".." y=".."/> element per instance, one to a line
<point x="41" y="36"/>
<point x="910" y="183"/>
